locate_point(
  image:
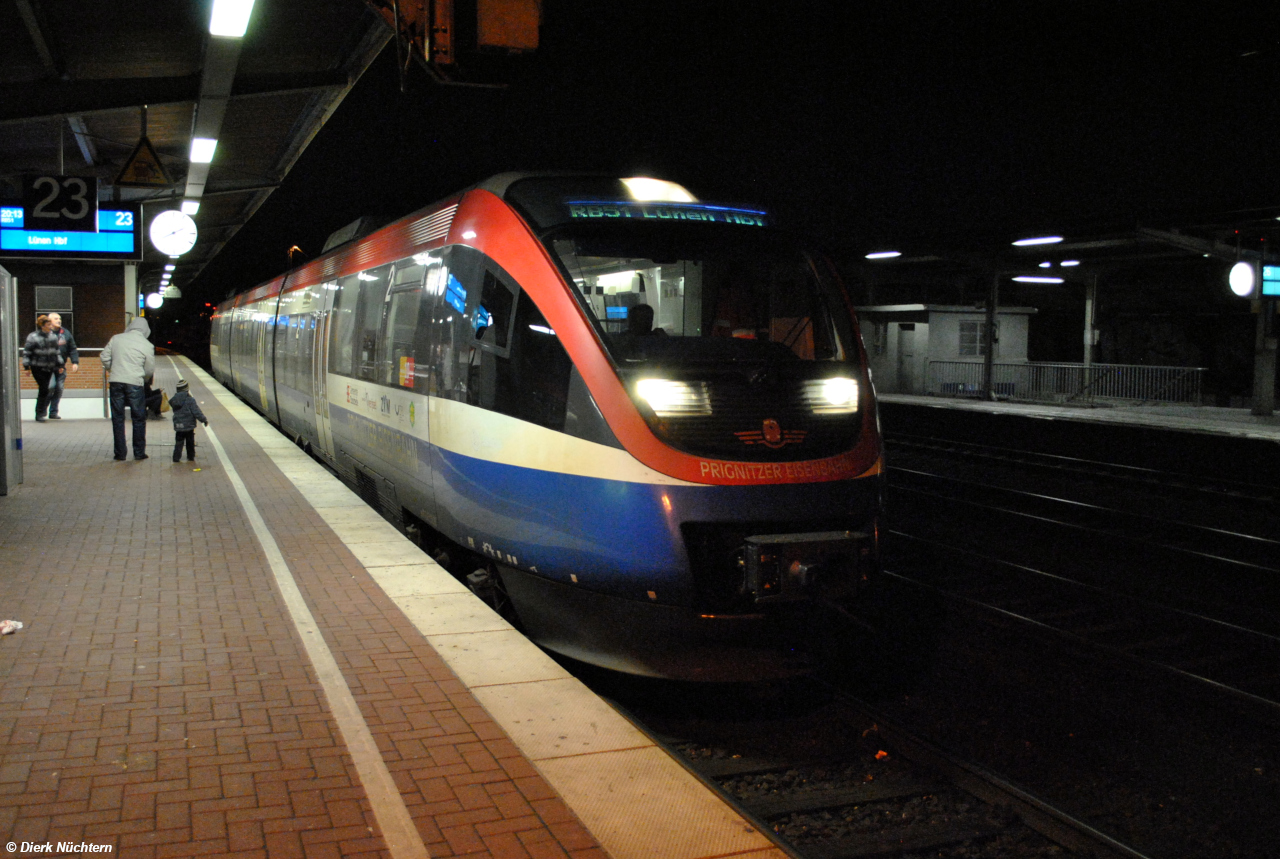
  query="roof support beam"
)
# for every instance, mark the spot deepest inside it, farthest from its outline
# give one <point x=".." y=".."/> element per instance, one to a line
<point x="31" y="19"/>
<point x="58" y="99"/>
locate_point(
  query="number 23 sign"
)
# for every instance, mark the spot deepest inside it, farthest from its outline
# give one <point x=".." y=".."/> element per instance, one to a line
<point x="60" y="203"/>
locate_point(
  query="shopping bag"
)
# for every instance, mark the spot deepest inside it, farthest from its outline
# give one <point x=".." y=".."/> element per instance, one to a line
<point x="164" y="402"/>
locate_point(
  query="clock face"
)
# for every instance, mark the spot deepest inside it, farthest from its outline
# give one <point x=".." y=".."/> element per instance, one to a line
<point x="173" y="233"/>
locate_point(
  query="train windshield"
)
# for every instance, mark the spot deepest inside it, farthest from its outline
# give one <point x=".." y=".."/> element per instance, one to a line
<point x="684" y="293"/>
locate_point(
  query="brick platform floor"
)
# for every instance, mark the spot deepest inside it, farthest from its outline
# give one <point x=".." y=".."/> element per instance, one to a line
<point x="159" y="700"/>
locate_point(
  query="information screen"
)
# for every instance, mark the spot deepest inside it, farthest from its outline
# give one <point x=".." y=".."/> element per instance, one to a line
<point x="119" y="237"/>
<point x="1271" y="280"/>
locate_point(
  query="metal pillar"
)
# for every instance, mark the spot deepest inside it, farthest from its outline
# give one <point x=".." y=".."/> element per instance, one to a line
<point x="988" y="354"/>
<point x="1264" y="360"/>
<point x="130" y="292"/>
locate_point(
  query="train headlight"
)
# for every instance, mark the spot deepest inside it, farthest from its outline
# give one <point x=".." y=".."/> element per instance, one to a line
<point x="834" y="396"/>
<point x="674" y="399"/>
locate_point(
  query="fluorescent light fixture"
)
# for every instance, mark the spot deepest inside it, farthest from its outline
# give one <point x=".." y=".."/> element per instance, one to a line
<point x="1068" y="263"/>
<point x="230" y="18"/>
<point x="647" y="190"/>
<point x="170" y="267"/>
<point x="1046" y="265"/>
<point x="190" y="207"/>
<point x="674" y="399"/>
<point x="1026" y="278"/>
<point x="202" y="149"/>
<point x="1039" y="240"/>
<point x="884" y="255"/>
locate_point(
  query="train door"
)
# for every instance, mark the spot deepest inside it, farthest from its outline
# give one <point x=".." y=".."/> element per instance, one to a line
<point x="323" y="312"/>
<point x="907" y="358"/>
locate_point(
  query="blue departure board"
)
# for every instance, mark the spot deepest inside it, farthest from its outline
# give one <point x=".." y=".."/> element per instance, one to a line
<point x="119" y="237"/>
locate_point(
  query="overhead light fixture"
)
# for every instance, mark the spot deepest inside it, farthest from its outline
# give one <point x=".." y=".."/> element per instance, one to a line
<point x="202" y="149"/>
<point x="230" y="18"/>
<point x="154" y="300"/>
<point x="1046" y="264"/>
<point x="884" y="255"/>
<point x="170" y="267"/>
<point x="1068" y="263"/>
<point x="1038" y="240"/>
<point x="190" y="207"/>
<point x="1026" y="278"/>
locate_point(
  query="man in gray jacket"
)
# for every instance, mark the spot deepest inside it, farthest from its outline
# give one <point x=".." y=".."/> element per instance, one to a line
<point x="131" y="360"/>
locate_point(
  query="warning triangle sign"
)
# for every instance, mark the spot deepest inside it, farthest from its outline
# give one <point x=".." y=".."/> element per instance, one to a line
<point x="143" y="169"/>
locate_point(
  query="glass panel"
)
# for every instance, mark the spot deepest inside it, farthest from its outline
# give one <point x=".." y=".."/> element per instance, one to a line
<point x="687" y="293"/>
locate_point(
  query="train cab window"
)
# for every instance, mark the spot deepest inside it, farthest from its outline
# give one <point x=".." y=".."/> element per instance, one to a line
<point x="492" y="319"/>
<point x="494" y="348"/>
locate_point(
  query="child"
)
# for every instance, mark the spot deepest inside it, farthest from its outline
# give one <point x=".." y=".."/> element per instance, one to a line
<point x="186" y="412"/>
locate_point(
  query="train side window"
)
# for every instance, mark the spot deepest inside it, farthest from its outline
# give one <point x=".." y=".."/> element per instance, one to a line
<point x="398" y="356"/>
<point x="374" y="297"/>
<point x="342" y="328"/>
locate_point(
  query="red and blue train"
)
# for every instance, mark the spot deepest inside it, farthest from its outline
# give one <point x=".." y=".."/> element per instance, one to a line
<point x="644" y="419"/>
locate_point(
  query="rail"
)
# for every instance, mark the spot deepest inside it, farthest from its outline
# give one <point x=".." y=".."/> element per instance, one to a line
<point x="1067" y="383"/>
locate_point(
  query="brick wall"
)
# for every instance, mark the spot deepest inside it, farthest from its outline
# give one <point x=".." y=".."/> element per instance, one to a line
<point x="89" y="377"/>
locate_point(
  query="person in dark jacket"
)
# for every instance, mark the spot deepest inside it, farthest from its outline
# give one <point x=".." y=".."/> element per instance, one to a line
<point x="42" y="357"/>
<point x="70" y="363"/>
<point x="186" y="414"/>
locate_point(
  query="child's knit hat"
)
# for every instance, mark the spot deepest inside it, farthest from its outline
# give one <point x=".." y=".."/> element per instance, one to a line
<point x="182" y="385"/>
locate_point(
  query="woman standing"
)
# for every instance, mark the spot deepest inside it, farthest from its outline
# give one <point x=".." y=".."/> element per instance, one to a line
<point x="43" y="357"/>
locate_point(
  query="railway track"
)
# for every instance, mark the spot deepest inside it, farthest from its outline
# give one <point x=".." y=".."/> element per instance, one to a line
<point x="1262" y="492"/>
<point x="1125" y="577"/>
<point x="875" y="790"/>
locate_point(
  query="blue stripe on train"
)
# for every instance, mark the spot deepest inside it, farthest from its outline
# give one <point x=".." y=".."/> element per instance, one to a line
<point x="616" y="536"/>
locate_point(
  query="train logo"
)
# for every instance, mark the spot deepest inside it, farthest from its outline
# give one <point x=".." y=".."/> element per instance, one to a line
<point x="772" y="435"/>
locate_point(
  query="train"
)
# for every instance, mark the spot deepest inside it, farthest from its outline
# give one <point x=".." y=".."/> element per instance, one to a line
<point x="640" y="423"/>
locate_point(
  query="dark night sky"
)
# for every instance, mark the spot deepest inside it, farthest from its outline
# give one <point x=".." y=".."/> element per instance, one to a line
<point x="865" y="123"/>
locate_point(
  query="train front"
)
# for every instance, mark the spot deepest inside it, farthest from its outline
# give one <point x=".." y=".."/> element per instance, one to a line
<point x="732" y="367"/>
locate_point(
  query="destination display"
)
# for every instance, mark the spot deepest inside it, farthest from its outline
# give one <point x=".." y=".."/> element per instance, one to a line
<point x="617" y="209"/>
<point x="119" y="237"/>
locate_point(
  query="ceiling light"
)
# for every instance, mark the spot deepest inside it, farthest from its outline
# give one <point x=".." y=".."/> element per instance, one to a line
<point x="1046" y="265"/>
<point x="230" y="18"/>
<point x="1026" y="278"/>
<point x="1068" y="263"/>
<point x="190" y="207"/>
<point x="884" y="255"/>
<point x="1039" y="240"/>
<point x="170" y="267"/>
<point x="202" y="149"/>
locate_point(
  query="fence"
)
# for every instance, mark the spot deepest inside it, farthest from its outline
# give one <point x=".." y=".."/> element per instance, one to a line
<point x="1062" y="383"/>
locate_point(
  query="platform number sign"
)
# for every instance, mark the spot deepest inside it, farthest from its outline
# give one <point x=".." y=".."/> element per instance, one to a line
<point x="60" y="203"/>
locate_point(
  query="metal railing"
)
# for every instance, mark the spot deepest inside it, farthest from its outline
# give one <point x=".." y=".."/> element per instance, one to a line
<point x="1065" y="383"/>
